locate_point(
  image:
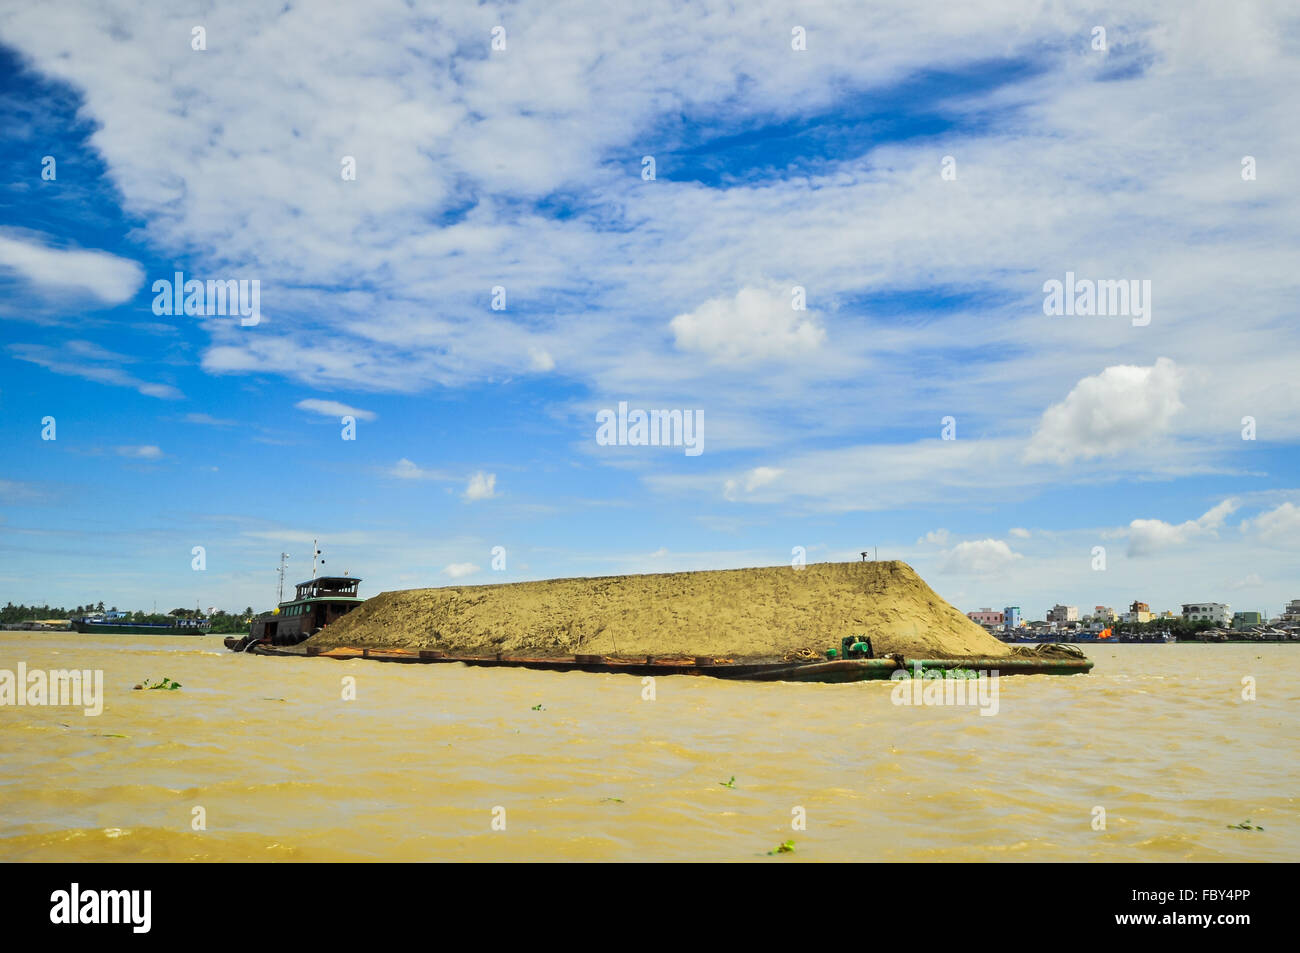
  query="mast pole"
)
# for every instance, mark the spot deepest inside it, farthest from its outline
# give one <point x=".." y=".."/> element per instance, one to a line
<point x="283" y="557"/>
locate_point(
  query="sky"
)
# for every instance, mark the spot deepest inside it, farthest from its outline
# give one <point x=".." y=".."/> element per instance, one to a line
<point x="475" y="229"/>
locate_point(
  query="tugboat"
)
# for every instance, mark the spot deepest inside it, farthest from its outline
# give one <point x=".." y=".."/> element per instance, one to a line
<point x="316" y="603"/>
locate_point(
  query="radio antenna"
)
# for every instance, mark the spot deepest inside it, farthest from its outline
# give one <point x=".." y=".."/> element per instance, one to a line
<point x="283" y="557"/>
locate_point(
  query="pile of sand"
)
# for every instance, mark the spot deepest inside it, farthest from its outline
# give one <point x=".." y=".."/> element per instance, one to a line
<point x="772" y="612"/>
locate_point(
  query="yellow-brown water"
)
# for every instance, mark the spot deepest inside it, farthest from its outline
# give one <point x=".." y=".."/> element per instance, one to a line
<point x="1158" y="736"/>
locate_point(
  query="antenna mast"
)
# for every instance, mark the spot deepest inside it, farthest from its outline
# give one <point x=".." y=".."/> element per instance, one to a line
<point x="315" y="553"/>
<point x="283" y="557"/>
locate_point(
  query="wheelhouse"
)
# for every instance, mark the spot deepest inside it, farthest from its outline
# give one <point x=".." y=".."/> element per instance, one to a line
<point x="316" y="603"/>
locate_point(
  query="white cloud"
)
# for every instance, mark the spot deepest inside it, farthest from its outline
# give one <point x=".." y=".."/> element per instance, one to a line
<point x="1152" y="536"/>
<point x="91" y="362"/>
<point x="455" y="121"/>
<point x="107" y="277"/>
<point x="936" y="537"/>
<point x="1120" y="408"/>
<point x="208" y="420"/>
<point x="146" y="452"/>
<point x="1279" y="526"/>
<point x="979" y="557"/>
<point x="459" y="570"/>
<point x="405" y="469"/>
<point x="757" y="324"/>
<point x="481" y="486"/>
<point x="755" y="478"/>
<point x="332" y="408"/>
<point x="540" y="359"/>
<point x="1020" y="533"/>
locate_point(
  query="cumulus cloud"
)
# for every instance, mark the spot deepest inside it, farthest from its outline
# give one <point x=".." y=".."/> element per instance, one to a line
<point x="332" y="408"/>
<point x="481" y="486"/>
<point x="107" y="277"/>
<point x="1277" y="527"/>
<point x="1120" y="408"/>
<point x="1020" y="532"/>
<point x="757" y="324"/>
<point x="979" y="557"/>
<point x="1152" y="536"/>
<point x="936" y="537"/>
<point x="460" y="570"/>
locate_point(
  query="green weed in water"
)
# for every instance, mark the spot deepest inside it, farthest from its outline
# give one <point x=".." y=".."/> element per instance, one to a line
<point x="165" y="684"/>
<point x="538" y="708"/>
<point x="786" y="848"/>
<point x="1244" y="826"/>
<point x="729" y="784"/>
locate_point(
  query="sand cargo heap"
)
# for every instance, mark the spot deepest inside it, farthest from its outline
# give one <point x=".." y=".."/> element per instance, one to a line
<point x="743" y="614"/>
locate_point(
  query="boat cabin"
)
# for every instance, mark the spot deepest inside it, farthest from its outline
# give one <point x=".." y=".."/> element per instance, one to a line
<point x="316" y="603"/>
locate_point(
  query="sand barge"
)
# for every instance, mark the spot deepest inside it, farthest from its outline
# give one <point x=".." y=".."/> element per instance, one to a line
<point x="771" y="613"/>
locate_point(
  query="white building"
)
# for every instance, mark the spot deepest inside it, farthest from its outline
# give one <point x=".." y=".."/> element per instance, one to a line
<point x="1292" y="611"/>
<point x="1220" y="613"/>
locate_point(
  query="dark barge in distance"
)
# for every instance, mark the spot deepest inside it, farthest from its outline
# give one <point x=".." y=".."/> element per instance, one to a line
<point x="98" y="625"/>
<point x="316" y="604"/>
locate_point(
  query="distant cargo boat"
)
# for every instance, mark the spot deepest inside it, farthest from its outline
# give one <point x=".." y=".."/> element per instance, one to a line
<point x="316" y="604"/>
<point x="179" y="627"/>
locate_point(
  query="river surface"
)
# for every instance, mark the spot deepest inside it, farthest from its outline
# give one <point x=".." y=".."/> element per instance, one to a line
<point x="426" y="758"/>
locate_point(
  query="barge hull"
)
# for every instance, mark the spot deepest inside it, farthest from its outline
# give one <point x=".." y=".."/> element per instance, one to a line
<point x="838" y="670"/>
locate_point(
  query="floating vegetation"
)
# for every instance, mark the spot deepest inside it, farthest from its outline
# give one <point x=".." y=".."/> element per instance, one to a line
<point x="1244" y="826"/>
<point x="616" y="800"/>
<point x="785" y="848"/>
<point x="165" y="684"/>
<point x="729" y="784"/>
<point x="538" y="708"/>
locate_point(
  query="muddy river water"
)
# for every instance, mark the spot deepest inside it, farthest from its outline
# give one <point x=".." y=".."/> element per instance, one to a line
<point x="1150" y="757"/>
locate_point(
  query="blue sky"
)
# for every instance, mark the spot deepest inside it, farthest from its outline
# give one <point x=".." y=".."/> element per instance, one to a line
<point x="775" y="168"/>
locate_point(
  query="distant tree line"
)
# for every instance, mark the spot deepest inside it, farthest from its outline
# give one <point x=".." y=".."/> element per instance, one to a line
<point x="222" y="621"/>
